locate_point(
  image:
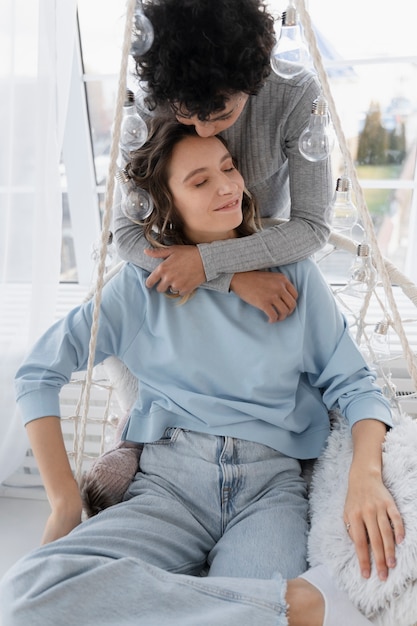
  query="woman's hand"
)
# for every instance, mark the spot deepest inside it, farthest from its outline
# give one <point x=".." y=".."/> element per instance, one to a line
<point x="270" y="292"/>
<point x="182" y="270"/>
<point x="371" y="515"/>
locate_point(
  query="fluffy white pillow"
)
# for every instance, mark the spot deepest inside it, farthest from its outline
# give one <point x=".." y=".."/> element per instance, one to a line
<point x="390" y="603"/>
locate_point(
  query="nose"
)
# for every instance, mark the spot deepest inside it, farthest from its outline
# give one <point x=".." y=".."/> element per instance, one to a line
<point x="205" y="129"/>
<point x="226" y="186"/>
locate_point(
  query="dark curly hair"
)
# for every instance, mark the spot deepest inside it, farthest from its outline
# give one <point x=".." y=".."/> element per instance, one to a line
<point x="148" y="169"/>
<point x="204" y="51"/>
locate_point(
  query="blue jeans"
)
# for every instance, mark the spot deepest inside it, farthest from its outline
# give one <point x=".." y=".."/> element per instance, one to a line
<point x="233" y="506"/>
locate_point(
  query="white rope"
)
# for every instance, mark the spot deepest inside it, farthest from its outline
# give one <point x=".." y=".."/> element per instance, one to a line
<point x="396" y="276"/>
<point x="360" y="198"/>
<point x="107" y="217"/>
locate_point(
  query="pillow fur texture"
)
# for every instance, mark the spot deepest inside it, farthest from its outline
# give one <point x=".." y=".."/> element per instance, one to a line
<point x="389" y="603"/>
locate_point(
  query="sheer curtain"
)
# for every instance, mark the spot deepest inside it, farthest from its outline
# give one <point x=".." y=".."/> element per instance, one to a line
<point x="36" y="53"/>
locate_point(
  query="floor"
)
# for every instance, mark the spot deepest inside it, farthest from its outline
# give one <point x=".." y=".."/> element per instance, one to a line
<point x="21" y="525"/>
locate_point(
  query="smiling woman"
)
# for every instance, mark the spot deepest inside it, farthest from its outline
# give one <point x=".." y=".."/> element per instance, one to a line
<point x="207" y="189"/>
<point x="199" y="193"/>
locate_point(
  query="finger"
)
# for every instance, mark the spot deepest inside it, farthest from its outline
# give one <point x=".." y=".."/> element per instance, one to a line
<point x="163" y="286"/>
<point x="388" y="541"/>
<point x="153" y="279"/>
<point x="289" y="302"/>
<point x="292" y="290"/>
<point x="158" y="279"/>
<point x="281" y="314"/>
<point x="357" y="533"/>
<point x="282" y="308"/>
<point x="272" y="314"/>
<point x="377" y="531"/>
<point x="397" y="524"/>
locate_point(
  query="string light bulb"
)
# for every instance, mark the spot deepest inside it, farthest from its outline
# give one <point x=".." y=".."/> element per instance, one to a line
<point x="136" y="203"/>
<point x="344" y="214"/>
<point x="363" y="273"/>
<point x="111" y="254"/>
<point x="290" y="54"/>
<point x="317" y="140"/>
<point x="133" y="131"/>
<point x="143" y="33"/>
<point x="140" y="101"/>
<point x="379" y="341"/>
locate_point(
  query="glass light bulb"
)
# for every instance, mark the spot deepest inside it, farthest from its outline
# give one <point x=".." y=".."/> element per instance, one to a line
<point x="389" y="389"/>
<point x="133" y="132"/>
<point x="379" y="341"/>
<point x="111" y="253"/>
<point x="137" y="203"/>
<point x="143" y="33"/>
<point x="363" y="273"/>
<point x="344" y="214"/>
<point x="317" y="139"/>
<point x="141" y="106"/>
<point x="290" y="54"/>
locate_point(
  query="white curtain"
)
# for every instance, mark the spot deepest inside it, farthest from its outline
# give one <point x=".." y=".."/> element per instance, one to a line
<point x="36" y="53"/>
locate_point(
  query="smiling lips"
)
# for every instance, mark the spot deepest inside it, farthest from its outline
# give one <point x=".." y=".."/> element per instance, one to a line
<point x="229" y="206"/>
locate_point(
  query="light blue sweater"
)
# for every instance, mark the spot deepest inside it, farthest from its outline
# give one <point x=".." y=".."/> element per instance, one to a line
<point x="214" y="364"/>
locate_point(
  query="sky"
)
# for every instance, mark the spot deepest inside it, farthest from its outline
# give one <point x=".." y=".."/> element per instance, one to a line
<point x="364" y="26"/>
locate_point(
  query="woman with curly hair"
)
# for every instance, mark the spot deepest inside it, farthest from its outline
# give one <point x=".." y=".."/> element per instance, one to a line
<point x="225" y="408"/>
<point x="209" y="66"/>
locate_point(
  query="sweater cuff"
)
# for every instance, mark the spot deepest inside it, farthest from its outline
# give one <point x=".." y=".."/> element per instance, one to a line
<point x="369" y="408"/>
<point x="40" y="403"/>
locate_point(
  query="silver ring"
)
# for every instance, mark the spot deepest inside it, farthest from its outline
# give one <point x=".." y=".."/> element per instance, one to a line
<point x="174" y="293"/>
<point x="347" y="526"/>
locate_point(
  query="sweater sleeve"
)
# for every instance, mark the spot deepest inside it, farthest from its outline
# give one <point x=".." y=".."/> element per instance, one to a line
<point x="277" y="174"/>
<point x="332" y="360"/>
<point x="64" y="348"/>
<point x="287" y="242"/>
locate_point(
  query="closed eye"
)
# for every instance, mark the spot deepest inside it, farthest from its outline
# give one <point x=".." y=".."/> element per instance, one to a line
<point x="224" y="117"/>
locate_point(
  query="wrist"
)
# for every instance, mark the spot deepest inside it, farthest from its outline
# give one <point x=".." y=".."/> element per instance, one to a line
<point x="239" y="279"/>
<point x="67" y="497"/>
<point x="366" y="466"/>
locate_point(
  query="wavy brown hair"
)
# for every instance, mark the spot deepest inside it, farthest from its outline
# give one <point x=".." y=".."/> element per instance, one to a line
<point x="148" y="169"/>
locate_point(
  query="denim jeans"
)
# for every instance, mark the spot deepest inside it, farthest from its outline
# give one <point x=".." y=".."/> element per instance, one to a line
<point x="234" y="507"/>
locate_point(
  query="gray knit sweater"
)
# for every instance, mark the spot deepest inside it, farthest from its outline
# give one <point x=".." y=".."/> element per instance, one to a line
<point x="264" y="140"/>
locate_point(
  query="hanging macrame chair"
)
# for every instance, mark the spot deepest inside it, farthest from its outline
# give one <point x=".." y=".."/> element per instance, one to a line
<point x="328" y="542"/>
